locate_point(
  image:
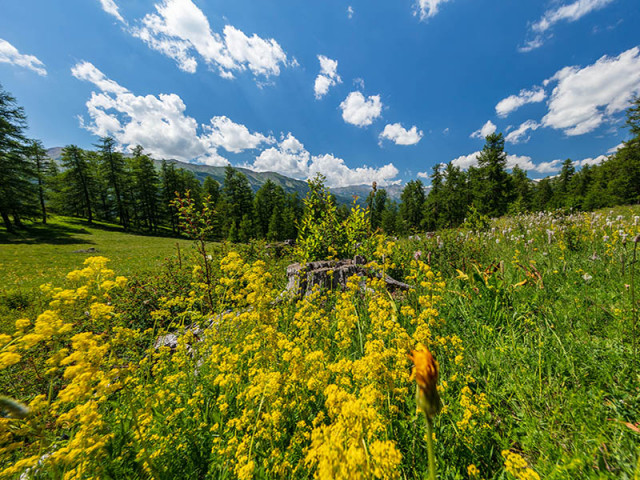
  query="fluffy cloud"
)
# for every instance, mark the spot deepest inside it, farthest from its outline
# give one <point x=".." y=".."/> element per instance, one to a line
<point x="590" y="161"/>
<point x="616" y="148"/>
<point x="513" y="102"/>
<point x="288" y="158"/>
<point x="549" y="167"/>
<point x="89" y="73"/>
<point x="401" y="136"/>
<point x="292" y="159"/>
<point x="427" y="8"/>
<point x="424" y="175"/>
<point x="158" y="123"/>
<point x="487" y="129"/>
<point x="10" y="54"/>
<point x="586" y="97"/>
<point x="328" y="76"/>
<point x="360" y="111"/>
<point x="350" y="11"/>
<point x="179" y="28"/>
<point x="519" y="135"/>
<point x="524" y="162"/>
<point x="466" y="161"/>
<point x="111" y="8"/>
<point x="233" y="137"/>
<point x="569" y="12"/>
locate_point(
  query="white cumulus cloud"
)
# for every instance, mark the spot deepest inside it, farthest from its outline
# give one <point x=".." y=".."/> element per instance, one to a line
<point x="233" y="137"/>
<point x="513" y="102"/>
<point x="569" y="12"/>
<point x="158" y="123"/>
<point x="616" y="148"/>
<point x="524" y="162"/>
<point x="427" y="8"/>
<point x="487" y="129"/>
<point x="584" y="98"/>
<point x="519" y="134"/>
<point x="400" y="135"/>
<point x="590" y="161"/>
<point x="10" y="54"/>
<point x="111" y="8"/>
<point x="180" y="30"/>
<point x="327" y="77"/>
<point x="360" y="111"/>
<point x="291" y="158"/>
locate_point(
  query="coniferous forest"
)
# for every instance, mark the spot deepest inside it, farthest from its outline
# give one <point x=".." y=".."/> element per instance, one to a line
<point x="105" y="185"/>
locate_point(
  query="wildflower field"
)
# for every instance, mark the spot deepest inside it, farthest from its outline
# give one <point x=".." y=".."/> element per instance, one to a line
<point x="532" y="321"/>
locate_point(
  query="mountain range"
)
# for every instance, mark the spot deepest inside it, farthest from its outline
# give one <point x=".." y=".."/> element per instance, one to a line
<point x="257" y="179"/>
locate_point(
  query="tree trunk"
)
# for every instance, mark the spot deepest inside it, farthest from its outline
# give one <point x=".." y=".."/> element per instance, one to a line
<point x="7" y="221"/>
<point x="42" y="205"/>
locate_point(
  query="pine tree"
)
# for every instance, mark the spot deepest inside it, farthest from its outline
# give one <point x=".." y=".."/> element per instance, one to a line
<point x="268" y="198"/>
<point x="492" y="161"/>
<point x="145" y="181"/>
<point x="521" y="191"/>
<point x="41" y="162"/>
<point x="16" y="171"/>
<point x="114" y="170"/>
<point x="78" y="181"/>
<point x="237" y="200"/>
<point x="412" y="206"/>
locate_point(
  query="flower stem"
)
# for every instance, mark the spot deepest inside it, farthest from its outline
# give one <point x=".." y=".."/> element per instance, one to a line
<point x="432" y="456"/>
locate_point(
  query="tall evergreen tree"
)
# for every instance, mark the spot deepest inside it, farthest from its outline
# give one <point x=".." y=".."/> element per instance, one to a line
<point x="376" y="203"/>
<point x="114" y="170"/>
<point x="237" y="200"/>
<point x="269" y="198"/>
<point x="16" y="171"/>
<point x="212" y="188"/>
<point x="78" y="181"/>
<point x="492" y="161"/>
<point x="411" y="208"/>
<point x="41" y="162"/>
<point x="145" y="182"/>
<point x="453" y="197"/>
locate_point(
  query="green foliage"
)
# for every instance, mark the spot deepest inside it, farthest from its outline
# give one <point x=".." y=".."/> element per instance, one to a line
<point x="321" y="232"/>
<point x="17" y="192"/>
<point x="533" y="335"/>
<point x="412" y="206"/>
<point x="476" y="221"/>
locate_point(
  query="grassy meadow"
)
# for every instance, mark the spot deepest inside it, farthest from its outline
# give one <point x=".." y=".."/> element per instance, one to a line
<point x="532" y="320"/>
<point x="45" y="253"/>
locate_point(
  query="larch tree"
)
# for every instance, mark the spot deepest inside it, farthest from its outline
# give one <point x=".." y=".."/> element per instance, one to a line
<point x="42" y="164"/>
<point x="114" y="169"/>
<point x="495" y="179"/>
<point x="78" y="181"/>
<point x="16" y="171"/>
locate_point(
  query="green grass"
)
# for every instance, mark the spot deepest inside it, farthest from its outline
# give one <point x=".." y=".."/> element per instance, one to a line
<point x="45" y="253"/>
<point x="547" y="331"/>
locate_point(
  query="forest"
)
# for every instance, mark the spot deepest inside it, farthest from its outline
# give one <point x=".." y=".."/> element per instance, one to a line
<point x="104" y="184"/>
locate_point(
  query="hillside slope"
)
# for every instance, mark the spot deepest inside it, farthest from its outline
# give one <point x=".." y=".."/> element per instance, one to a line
<point x="257" y="179"/>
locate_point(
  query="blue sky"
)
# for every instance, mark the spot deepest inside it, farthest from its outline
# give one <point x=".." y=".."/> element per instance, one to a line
<point x="359" y="90"/>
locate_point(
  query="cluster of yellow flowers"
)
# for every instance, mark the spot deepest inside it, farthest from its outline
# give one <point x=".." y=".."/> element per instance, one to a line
<point x="81" y="359"/>
<point x="518" y="467"/>
<point x="317" y="387"/>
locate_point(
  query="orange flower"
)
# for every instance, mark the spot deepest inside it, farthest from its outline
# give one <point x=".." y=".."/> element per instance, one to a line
<point x="425" y="371"/>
